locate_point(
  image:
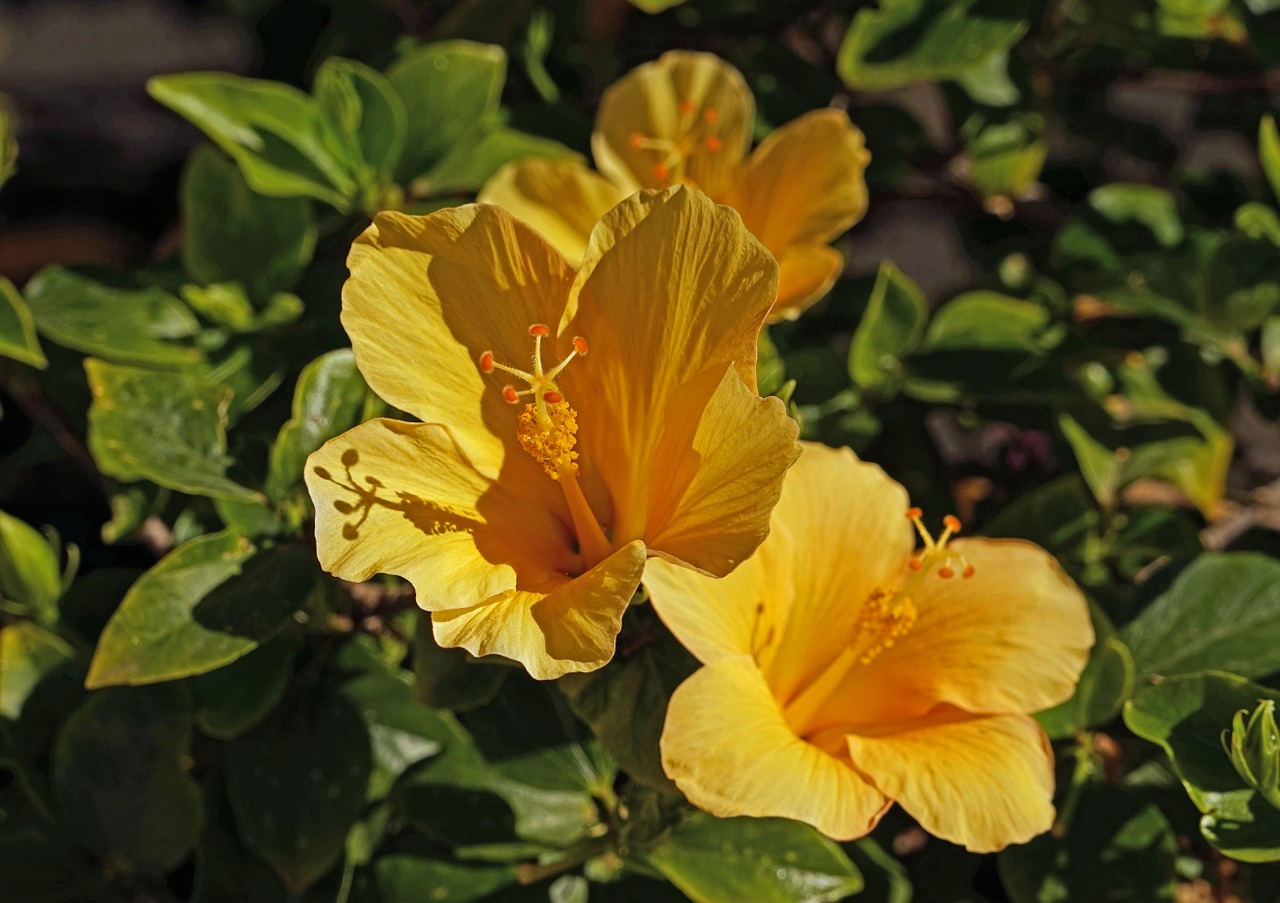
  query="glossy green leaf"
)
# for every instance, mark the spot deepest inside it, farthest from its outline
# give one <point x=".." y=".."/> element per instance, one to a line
<point x="447" y="89"/>
<point x="1222" y="612"/>
<point x="1240" y="287"/>
<point x="29" y="572"/>
<point x="452" y="678"/>
<point x="133" y="326"/>
<point x="233" y="234"/>
<point x="890" y="329"/>
<point x="27" y="653"/>
<point x="18" y="339"/>
<point x="976" y="321"/>
<point x="1258" y="221"/>
<point x="273" y="131"/>
<point x="1269" y="152"/>
<point x="169" y="428"/>
<point x="364" y="110"/>
<point x="765" y="860"/>
<point x="1152" y="207"/>
<point x="1105" y="685"/>
<point x="328" y="399"/>
<point x="481" y="153"/>
<point x="884" y="877"/>
<point x="234" y="698"/>
<point x="206" y="604"/>
<point x="297" y="783"/>
<point x="406" y="878"/>
<point x="1120" y="849"/>
<point x="946" y="41"/>
<point x="118" y="777"/>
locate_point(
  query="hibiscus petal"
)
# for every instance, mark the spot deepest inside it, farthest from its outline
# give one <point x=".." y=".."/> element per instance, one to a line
<point x="1012" y="638"/>
<point x="569" y="625"/>
<point x="806" y="273"/>
<point x="726" y="746"/>
<point x="428" y="294"/>
<point x="647" y="102"/>
<point x="981" y="782"/>
<point x="562" y="199"/>
<point x="804" y="184"/>
<point x="402" y="498"/>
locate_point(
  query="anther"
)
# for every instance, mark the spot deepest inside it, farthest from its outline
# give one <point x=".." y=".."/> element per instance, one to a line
<point x="539" y="330"/>
<point x="686" y="106"/>
<point x="486" y="361"/>
<point x="710" y="114"/>
<point x="579" y="344"/>
<point x="635" y="141"/>
<point x="661" y="172"/>
<point x="510" y="395"/>
<point x="713" y="144"/>
<point x="967" y="572"/>
<point x="952" y="523"/>
<point x="915" y="564"/>
<point x="552" y="397"/>
<point x="945" y="572"/>
<point x="913" y="513"/>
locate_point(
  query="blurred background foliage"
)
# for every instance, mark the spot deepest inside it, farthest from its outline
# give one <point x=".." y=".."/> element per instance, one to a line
<point x="1060" y="319"/>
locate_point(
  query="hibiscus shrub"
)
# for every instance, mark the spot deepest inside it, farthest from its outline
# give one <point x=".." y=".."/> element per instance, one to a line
<point x="370" y="544"/>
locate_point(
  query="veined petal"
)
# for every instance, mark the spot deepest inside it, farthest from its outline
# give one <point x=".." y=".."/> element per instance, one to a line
<point x="722" y="617"/>
<point x="681" y="96"/>
<point x="566" y="625"/>
<point x="726" y="746"/>
<point x="562" y="199"/>
<point x="428" y="294"/>
<point x="1013" y="638"/>
<point x="982" y="782"/>
<point x="402" y="498"/>
<point x="804" y="184"/>
<point x="672" y="289"/>
<point x="846" y="519"/>
<point x="806" y="274"/>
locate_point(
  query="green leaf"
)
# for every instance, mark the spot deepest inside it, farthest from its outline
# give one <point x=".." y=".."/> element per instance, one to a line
<point x="890" y="329"/>
<point x="204" y="605"/>
<point x="625" y="704"/>
<point x="764" y="860"/>
<point x="364" y="110"/>
<point x="1186" y="716"/>
<point x="946" y="41"/>
<point x="132" y="326"/>
<point x="655" y="6"/>
<point x="169" y="428"/>
<point x="990" y="321"/>
<point x="235" y="697"/>
<point x="38" y="868"/>
<point x="1240" y="286"/>
<point x="273" y="131"/>
<point x="27" y="653"/>
<point x="1222" y="612"/>
<point x="1258" y="221"/>
<point x="18" y="338"/>
<point x="447" y="89"/>
<point x="328" y="399"/>
<point x="1005" y="158"/>
<point x="1105" y="685"/>
<point x="232" y="234"/>
<point x="1269" y="152"/>
<point x="297" y="782"/>
<point x="407" y="878"/>
<point x="482" y="152"/>
<point x="884" y="877"/>
<point x="29" y="571"/>
<point x="118" y="777"/>
<point x="452" y="678"/>
<point x="1152" y="207"/>
<point x="1120" y="848"/>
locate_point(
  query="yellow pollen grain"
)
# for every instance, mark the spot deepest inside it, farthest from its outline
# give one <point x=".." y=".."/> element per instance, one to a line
<point x="551" y="443"/>
<point x="882" y="620"/>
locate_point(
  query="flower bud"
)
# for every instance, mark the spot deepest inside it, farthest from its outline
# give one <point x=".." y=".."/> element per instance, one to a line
<point x="1254" y="747"/>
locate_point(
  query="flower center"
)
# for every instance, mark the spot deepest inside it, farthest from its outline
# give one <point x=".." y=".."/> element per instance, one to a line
<point x="694" y="132"/>
<point x="547" y="429"/>
<point x="934" y="552"/>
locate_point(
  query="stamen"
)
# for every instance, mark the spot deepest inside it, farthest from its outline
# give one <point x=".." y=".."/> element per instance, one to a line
<point x="935" y="549"/>
<point x="710" y="115"/>
<point x="635" y="141"/>
<point x="486" y="361"/>
<point x="713" y="144"/>
<point x="510" y="395"/>
<point x="686" y="107"/>
<point x="661" y="172"/>
<point x="539" y="330"/>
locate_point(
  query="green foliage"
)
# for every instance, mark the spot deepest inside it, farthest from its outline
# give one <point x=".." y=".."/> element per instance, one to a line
<point x="1060" y="319"/>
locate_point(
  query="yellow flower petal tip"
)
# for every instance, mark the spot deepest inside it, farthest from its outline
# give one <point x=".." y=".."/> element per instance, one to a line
<point x="573" y="421"/>
<point x="687" y="119"/>
<point x="859" y="658"/>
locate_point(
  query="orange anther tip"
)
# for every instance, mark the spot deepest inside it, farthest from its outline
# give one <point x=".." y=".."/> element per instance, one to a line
<point x="509" y="395"/>
<point x="661" y="173"/>
<point x="686" y="106"/>
<point x="915" y="564"/>
<point x="952" y="523"/>
<point x="713" y="144"/>
<point x="486" y="362"/>
<point x="913" y="513"/>
<point x="540" y="330"/>
<point x="579" y="344"/>
<point x="710" y="114"/>
<point x="635" y="141"/>
<point x="552" y="397"/>
<point x="967" y="572"/>
<point x="946" y="573"/>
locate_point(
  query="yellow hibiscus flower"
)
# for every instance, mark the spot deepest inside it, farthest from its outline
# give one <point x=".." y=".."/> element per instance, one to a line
<point x="687" y="118"/>
<point x="845" y="670"/>
<point x="523" y="513"/>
